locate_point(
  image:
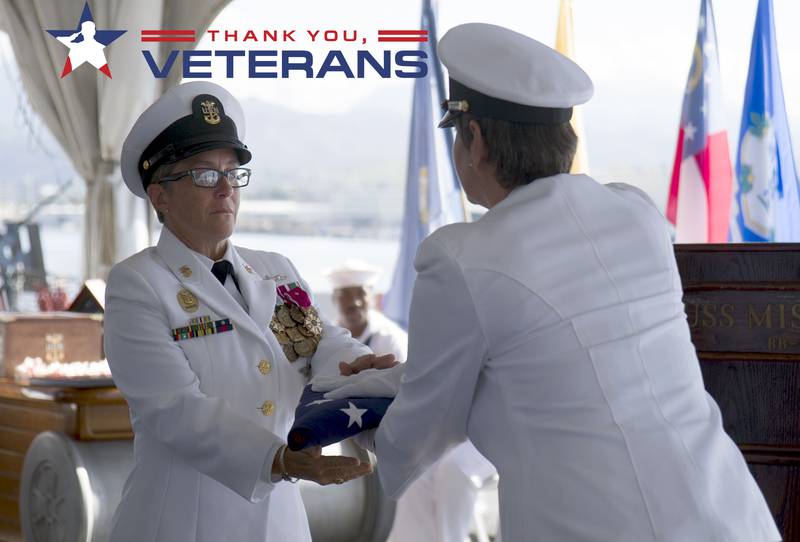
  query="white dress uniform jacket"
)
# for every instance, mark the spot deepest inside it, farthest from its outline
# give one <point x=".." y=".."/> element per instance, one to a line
<point x="552" y="333"/>
<point x="439" y="505"/>
<point x="208" y="413"/>
<point x="384" y="337"/>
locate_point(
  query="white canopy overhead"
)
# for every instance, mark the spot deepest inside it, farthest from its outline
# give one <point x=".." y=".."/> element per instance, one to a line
<point x="90" y="114"/>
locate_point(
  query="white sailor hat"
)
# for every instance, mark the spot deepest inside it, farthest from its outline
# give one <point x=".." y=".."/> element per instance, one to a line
<point x="186" y="120"/>
<point x="500" y="74"/>
<point x="353" y="273"/>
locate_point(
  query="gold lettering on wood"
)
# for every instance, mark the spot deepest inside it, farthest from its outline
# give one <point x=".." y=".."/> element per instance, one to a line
<point x="53" y="347"/>
<point x="753" y="319"/>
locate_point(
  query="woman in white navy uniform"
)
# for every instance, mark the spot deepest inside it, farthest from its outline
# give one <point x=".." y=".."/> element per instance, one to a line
<point x="193" y="345"/>
<point x="551" y="332"/>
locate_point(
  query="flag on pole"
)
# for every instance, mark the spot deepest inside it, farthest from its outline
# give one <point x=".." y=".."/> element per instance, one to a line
<point x="433" y="194"/>
<point x="766" y="205"/>
<point x="565" y="44"/>
<point x="700" y="192"/>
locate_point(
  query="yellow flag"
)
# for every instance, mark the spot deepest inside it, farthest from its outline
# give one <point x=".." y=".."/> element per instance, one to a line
<point x="565" y="44"/>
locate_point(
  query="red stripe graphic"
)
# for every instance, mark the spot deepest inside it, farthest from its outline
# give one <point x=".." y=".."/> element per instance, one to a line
<point x="403" y="35"/>
<point x="167" y="35"/>
<point x="404" y="39"/>
<point x="167" y="39"/>
<point x="166" y="32"/>
<point x="402" y="32"/>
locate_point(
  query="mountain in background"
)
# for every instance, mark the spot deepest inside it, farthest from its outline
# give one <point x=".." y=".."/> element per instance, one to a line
<point x="356" y="159"/>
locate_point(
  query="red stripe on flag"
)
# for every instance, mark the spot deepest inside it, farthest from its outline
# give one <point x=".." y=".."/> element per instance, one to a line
<point x="715" y="165"/>
<point x="672" y="202"/>
<point x="715" y="168"/>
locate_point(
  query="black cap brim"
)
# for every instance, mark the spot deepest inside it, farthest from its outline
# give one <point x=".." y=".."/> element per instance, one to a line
<point x="242" y="152"/>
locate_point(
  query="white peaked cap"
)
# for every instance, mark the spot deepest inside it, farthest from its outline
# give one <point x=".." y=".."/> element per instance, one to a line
<point x="506" y="75"/>
<point x="353" y="273"/>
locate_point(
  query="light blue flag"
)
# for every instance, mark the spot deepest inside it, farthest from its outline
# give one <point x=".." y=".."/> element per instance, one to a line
<point x="433" y="195"/>
<point x="766" y="205"/>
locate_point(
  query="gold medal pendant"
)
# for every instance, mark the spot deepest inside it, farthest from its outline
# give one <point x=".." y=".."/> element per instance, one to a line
<point x="187" y="300"/>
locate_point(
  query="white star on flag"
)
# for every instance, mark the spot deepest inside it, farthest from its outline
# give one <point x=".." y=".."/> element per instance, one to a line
<point x="690" y="130"/>
<point x="354" y="414"/>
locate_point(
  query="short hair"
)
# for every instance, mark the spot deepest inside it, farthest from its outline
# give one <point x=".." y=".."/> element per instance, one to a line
<point x="523" y="152"/>
<point x="162" y="171"/>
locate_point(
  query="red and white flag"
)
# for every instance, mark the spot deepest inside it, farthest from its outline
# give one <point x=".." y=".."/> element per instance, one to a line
<point x="701" y="188"/>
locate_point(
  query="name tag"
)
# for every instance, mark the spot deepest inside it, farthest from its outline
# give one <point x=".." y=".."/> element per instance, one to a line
<point x="200" y="327"/>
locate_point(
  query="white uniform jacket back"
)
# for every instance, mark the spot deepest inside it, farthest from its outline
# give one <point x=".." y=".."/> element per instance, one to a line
<point x="552" y="333"/>
<point x="208" y="412"/>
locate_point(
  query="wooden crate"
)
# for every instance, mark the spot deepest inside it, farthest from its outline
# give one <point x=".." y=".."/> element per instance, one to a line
<point x="52" y="336"/>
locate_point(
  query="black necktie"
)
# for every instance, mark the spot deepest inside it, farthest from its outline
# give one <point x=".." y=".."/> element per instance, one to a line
<point x="222" y="269"/>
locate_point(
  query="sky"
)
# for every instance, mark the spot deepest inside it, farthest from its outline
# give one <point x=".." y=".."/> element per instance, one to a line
<point x="637" y="52"/>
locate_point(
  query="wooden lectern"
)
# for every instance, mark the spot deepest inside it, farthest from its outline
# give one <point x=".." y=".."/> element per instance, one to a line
<point x="743" y="307"/>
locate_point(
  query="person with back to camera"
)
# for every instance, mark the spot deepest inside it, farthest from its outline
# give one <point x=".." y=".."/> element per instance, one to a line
<point x="552" y="331"/>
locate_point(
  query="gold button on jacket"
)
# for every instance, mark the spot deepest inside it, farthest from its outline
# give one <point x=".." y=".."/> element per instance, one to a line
<point x="267" y="408"/>
<point x="265" y="367"/>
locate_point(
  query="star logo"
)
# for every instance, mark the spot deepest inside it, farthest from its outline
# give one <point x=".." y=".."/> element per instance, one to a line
<point x="354" y="413"/>
<point x="86" y="44"/>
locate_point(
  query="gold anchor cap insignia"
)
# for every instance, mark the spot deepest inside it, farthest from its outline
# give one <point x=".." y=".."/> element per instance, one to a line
<point x="210" y="112"/>
<point x="187" y="300"/>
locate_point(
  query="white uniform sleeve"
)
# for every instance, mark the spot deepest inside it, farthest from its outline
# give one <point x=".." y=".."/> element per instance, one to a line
<point x="446" y="352"/>
<point x="629" y="191"/>
<point x="336" y="344"/>
<point x="164" y="396"/>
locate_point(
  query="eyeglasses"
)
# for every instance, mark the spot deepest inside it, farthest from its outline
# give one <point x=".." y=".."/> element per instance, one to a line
<point x="210" y="178"/>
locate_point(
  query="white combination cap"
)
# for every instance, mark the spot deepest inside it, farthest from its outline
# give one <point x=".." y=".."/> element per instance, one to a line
<point x="353" y="273"/>
<point x="186" y="120"/>
<point x="501" y="74"/>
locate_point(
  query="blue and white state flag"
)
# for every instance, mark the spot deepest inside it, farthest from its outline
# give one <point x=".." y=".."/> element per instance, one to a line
<point x="766" y="206"/>
<point x="320" y="422"/>
<point x="433" y="194"/>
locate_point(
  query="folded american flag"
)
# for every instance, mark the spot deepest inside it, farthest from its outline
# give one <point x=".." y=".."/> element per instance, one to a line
<point x="320" y="422"/>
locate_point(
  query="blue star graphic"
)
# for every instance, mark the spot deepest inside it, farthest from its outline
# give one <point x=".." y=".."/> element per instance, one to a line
<point x="86" y="43"/>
